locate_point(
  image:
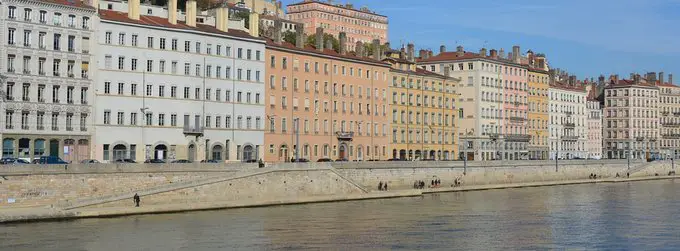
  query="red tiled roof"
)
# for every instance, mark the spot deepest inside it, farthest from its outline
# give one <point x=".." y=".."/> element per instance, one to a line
<point x="326" y="52"/>
<point x="667" y="85"/>
<point x="429" y="73"/>
<point x="398" y="60"/>
<point x="74" y="3"/>
<point x="163" y="22"/>
<point x="626" y="82"/>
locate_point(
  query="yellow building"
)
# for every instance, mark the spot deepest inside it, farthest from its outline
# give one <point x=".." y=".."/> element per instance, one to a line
<point x="538" y="107"/>
<point x="423" y="111"/>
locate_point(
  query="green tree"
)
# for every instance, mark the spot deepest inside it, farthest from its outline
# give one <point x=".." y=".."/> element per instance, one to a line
<point x="289" y="37"/>
<point x="311" y="40"/>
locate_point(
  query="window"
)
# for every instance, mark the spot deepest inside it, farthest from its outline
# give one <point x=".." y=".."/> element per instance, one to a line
<point x="135" y="38"/>
<point x="161" y="66"/>
<point x="133" y="64"/>
<point x="12" y="12"/>
<point x="173" y="91"/>
<point x="174" y="44"/>
<point x="162" y="43"/>
<point x="239" y="53"/>
<point x="161" y="91"/>
<point x="149" y="90"/>
<point x="57" y="44"/>
<point x="121" y="38"/>
<point x="55" y="94"/>
<point x="133" y="89"/>
<point x="108" y="37"/>
<point x="71" y="21"/>
<point x="119" y="119"/>
<point x="133" y="118"/>
<point x="71" y="43"/>
<point x="187" y="46"/>
<point x="42" y="18"/>
<point x="56" y="19"/>
<point x="173" y="120"/>
<point x="149" y="65"/>
<point x="42" y="40"/>
<point x="107" y="117"/>
<point x="198" y="47"/>
<point x="149" y="42"/>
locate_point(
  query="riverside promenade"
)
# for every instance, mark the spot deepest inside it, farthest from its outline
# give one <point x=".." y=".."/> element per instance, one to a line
<point x="51" y="193"/>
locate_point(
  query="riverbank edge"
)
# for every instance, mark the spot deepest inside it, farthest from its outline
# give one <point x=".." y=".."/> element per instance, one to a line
<point x="24" y="215"/>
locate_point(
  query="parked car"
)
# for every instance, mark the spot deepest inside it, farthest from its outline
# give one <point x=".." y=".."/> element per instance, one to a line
<point x="211" y="161"/>
<point x="324" y="160"/>
<point x="181" y="161"/>
<point x="155" y="161"/>
<point x="341" y="160"/>
<point x="89" y="161"/>
<point x="250" y="161"/>
<point x="128" y="161"/>
<point x="50" y="160"/>
<point x="300" y="160"/>
<point x="13" y="161"/>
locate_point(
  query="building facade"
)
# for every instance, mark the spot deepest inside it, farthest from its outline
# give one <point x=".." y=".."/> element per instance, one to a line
<point x="46" y="79"/>
<point x="333" y="104"/>
<point x="538" y="106"/>
<point x="632" y="119"/>
<point x="568" y="129"/>
<point x="178" y="90"/>
<point x="423" y="111"/>
<point x="360" y="25"/>
<point x="492" y="102"/>
<point x="594" y="123"/>
<point x="669" y="118"/>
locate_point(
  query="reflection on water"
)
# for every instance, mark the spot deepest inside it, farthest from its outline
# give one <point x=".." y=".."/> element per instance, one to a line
<point x="638" y="216"/>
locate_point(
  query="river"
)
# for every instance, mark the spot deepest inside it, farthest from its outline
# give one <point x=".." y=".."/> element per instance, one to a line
<point x="623" y="216"/>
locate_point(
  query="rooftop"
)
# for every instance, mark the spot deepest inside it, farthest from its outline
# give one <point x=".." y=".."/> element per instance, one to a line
<point x="362" y="10"/>
<point x="164" y="23"/>
<point x="74" y="3"/>
<point x="326" y="52"/>
<point x="453" y="56"/>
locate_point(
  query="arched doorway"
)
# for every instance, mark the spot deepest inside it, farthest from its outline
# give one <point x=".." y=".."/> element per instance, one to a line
<point x="69" y="148"/>
<point x="8" y="148"/>
<point x="160" y="152"/>
<point x="342" y="153"/>
<point x="402" y="154"/>
<point x="119" y="152"/>
<point x="217" y="152"/>
<point x="24" y="148"/>
<point x="283" y="153"/>
<point x="248" y="153"/>
<point x="432" y="154"/>
<point x="54" y="148"/>
<point x="191" y="153"/>
<point x="418" y="154"/>
<point x="394" y="153"/>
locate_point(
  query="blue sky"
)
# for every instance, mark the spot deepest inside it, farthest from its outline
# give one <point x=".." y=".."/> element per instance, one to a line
<point x="584" y="37"/>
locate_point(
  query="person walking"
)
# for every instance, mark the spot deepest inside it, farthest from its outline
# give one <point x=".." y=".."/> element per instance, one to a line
<point x="380" y="186"/>
<point x="136" y="199"/>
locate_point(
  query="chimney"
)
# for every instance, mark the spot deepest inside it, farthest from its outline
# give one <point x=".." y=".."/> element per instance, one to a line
<point x="516" y="54"/>
<point x="191" y="13"/>
<point x="410" y="51"/>
<point x="254" y="21"/>
<point x="572" y="80"/>
<point x="133" y="9"/>
<point x="494" y="53"/>
<point x="636" y="78"/>
<point x="482" y="52"/>
<point x="615" y="78"/>
<point x="442" y="49"/>
<point x="343" y="43"/>
<point x="172" y="11"/>
<point x="329" y="45"/>
<point x="670" y="78"/>
<point x="459" y="51"/>
<point x="501" y="53"/>
<point x="300" y="36"/>
<point x="429" y="53"/>
<point x="661" y="77"/>
<point x="359" y="49"/>
<point x="278" y="25"/>
<point x="319" y="39"/>
<point x="510" y="56"/>
<point x="376" y="49"/>
<point x="221" y="19"/>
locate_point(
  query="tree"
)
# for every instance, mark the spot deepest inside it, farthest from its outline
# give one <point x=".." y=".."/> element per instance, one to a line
<point x="311" y="40"/>
<point x="289" y="37"/>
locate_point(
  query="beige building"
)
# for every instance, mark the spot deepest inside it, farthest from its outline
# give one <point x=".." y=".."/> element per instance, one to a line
<point x="593" y="123"/>
<point x="669" y="108"/>
<point x="631" y="117"/>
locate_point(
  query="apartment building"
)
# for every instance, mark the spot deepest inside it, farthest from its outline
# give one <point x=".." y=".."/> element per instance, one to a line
<point x="360" y="25"/>
<point x="423" y="110"/>
<point x="46" y="80"/>
<point x="669" y="117"/>
<point x="332" y="104"/>
<point x="170" y="89"/>
<point x="594" y="123"/>
<point x="568" y="113"/>
<point x="538" y="106"/>
<point x="492" y="103"/>
<point x="631" y="116"/>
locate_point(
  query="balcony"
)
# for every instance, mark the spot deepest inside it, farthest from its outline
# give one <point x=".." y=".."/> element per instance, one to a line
<point x="677" y="114"/>
<point x="195" y="131"/>
<point x="517" y="103"/>
<point x="494" y="136"/>
<point x="10" y="70"/>
<point x="83" y="129"/>
<point x="569" y="125"/>
<point x="41" y="127"/>
<point x="27" y="72"/>
<point x="24" y="127"/>
<point x="671" y="136"/>
<point x="517" y="137"/>
<point x="570" y="138"/>
<point x="670" y="124"/>
<point x="41" y="73"/>
<point x="345" y="135"/>
<point x="69" y="128"/>
<point x="569" y="114"/>
<point x="664" y="113"/>
<point x="517" y="119"/>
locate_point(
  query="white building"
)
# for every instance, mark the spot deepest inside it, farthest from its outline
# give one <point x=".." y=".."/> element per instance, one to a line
<point x="567" y="126"/>
<point x="594" y="122"/>
<point x="178" y="90"/>
<point x="46" y="93"/>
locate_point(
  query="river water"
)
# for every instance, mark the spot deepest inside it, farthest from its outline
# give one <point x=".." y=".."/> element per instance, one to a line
<point x="625" y="216"/>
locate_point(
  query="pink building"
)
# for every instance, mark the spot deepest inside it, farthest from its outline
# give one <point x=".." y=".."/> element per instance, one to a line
<point x="360" y="25"/>
<point x="515" y="107"/>
<point x="331" y="103"/>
